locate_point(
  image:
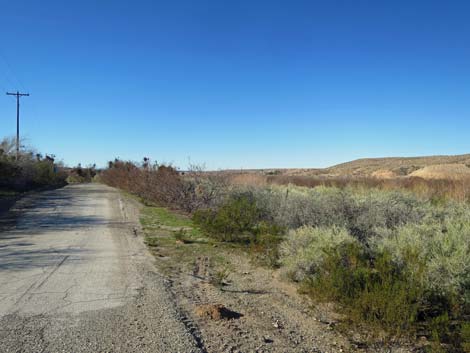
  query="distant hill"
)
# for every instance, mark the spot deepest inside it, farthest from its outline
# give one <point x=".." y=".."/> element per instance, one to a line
<point x="429" y="167"/>
<point x="426" y="167"/>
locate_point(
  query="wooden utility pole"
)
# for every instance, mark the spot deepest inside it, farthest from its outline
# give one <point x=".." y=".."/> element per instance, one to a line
<point x="18" y="95"/>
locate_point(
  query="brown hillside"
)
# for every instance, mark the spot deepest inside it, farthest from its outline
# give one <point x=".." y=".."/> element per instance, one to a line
<point x="446" y="167"/>
<point x="399" y="166"/>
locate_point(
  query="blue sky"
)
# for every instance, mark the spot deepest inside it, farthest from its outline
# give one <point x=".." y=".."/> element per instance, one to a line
<point x="235" y="84"/>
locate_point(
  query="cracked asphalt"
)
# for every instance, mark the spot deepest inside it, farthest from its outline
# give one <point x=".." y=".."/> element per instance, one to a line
<point x="75" y="276"/>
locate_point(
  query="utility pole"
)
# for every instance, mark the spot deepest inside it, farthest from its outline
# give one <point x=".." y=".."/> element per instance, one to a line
<point x="18" y="95"/>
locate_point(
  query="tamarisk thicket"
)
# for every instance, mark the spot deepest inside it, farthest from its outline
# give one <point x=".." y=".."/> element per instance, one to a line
<point x="164" y="185"/>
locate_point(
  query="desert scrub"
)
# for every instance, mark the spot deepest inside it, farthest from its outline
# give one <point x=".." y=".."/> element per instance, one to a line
<point x="442" y="242"/>
<point x="293" y="207"/>
<point x="407" y="276"/>
<point x="393" y="260"/>
<point x="364" y="213"/>
<point x="373" y="291"/>
<point x="305" y="249"/>
<point x="239" y="219"/>
<point x="444" y="248"/>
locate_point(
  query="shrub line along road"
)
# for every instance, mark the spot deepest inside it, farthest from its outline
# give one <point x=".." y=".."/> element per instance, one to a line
<point x="74" y="277"/>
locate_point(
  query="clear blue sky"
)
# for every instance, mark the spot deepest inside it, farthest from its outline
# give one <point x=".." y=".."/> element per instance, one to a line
<point x="238" y="83"/>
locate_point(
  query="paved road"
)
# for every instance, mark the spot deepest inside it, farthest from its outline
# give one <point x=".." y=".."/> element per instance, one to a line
<point x="75" y="278"/>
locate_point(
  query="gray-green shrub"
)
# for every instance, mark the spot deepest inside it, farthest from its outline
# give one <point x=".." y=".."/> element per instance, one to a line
<point x="444" y="248"/>
<point x="305" y="249"/>
<point x="413" y="267"/>
<point x="363" y="213"/>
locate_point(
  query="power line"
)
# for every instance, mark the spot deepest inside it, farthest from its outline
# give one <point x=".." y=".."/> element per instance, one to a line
<point x="18" y="95"/>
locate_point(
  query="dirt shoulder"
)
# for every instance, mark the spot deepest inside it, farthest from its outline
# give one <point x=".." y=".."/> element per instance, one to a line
<point x="234" y="304"/>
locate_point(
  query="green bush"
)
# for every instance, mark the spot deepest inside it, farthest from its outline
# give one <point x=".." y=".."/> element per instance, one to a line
<point x="237" y="220"/>
<point x="43" y="172"/>
<point x="371" y="290"/>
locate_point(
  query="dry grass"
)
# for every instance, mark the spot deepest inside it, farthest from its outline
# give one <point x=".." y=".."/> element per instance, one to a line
<point x="384" y="174"/>
<point x="457" y="189"/>
<point x="443" y="171"/>
<point x="252" y="179"/>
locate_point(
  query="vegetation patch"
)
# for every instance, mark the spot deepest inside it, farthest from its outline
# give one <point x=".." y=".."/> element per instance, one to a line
<point x="239" y="219"/>
<point x="396" y="262"/>
<point x="172" y="236"/>
<point x="372" y="291"/>
<point x="160" y="216"/>
<point x="27" y="171"/>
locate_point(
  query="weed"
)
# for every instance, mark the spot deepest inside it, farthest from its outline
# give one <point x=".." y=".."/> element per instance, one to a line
<point x="181" y="235"/>
<point x="265" y="249"/>
<point x="220" y="277"/>
<point x="151" y="241"/>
